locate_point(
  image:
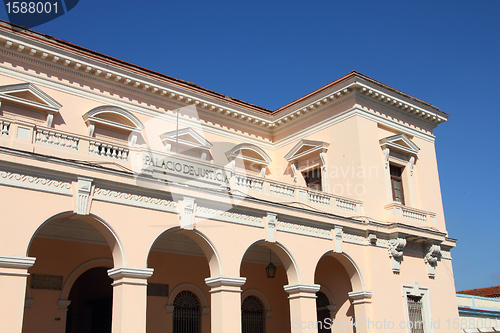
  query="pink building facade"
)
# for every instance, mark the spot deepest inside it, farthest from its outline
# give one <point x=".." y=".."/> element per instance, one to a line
<point x="136" y="202"/>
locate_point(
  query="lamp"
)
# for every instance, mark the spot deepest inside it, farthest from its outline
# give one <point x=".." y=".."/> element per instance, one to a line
<point x="270" y="269"/>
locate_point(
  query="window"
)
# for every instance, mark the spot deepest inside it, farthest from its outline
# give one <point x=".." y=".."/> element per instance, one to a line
<point x="186" y="313"/>
<point x="416" y="322"/>
<point x="400" y="156"/>
<point x="252" y="315"/>
<point x="397" y="184"/>
<point x="313" y="179"/>
<point x="418" y="311"/>
<point x="308" y="158"/>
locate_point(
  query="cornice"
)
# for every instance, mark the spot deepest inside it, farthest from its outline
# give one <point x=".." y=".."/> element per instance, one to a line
<point x="90" y="68"/>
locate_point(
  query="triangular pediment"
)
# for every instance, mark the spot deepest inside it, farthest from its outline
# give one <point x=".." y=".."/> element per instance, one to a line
<point x="305" y="148"/>
<point x="186" y="136"/>
<point x="29" y="95"/>
<point x="400" y="142"/>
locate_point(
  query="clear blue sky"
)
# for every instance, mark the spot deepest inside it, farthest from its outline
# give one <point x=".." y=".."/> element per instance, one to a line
<point x="272" y="52"/>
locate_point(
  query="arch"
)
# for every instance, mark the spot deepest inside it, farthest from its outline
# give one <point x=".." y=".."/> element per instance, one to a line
<point x="100" y="262"/>
<point x="189" y="287"/>
<point x="114" y="116"/>
<point x="260" y="295"/>
<point x="351" y="268"/>
<point x="236" y="152"/>
<point x="328" y="294"/>
<point x="205" y="245"/>
<point x="102" y="226"/>
<point x="284" y="255"/>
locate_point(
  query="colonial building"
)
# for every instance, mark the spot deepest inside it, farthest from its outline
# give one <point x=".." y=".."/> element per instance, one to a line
<point x="132" y="201"/>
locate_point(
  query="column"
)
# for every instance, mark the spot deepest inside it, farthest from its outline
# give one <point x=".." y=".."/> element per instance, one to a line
<point x="129" y="298"/>
<point x="362" y="301"/>
<point x="226" y="303"/>
<point x="13" y="274"/>
<point x="303" y="315"/>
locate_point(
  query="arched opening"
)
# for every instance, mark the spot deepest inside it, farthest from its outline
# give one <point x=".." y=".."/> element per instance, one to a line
<point x="323" y="313"/>
<point x="253" y="266"/>
<point x="91" y="299"/>
<point x="338" y="276"/>
<point x="187" y="313"/>
<point x="182" y="260"/>
<point x="73" y="253"/>
<point x="252" y="315"/>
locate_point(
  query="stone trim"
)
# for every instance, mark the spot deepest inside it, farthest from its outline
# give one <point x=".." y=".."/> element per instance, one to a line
<point x="302" y="290"/>
<point x="360" y="297"/>
<point x="16" y="262"/>
<point x="32" y="182"/>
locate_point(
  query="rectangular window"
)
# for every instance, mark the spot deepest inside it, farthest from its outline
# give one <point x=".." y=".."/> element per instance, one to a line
<point x="416" y="322"/>
<point x="313" y="179"/>
<point x="397" y="184"/>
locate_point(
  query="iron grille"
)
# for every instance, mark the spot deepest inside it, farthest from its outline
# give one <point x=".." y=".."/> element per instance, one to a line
<point x="416" y="323"/>
<point x="186" y="313"/>
<point x="252" y="315"/>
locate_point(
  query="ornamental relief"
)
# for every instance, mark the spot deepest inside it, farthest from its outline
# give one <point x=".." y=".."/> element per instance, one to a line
<point x="304" y="229"/>
<point x="29" y="181"/>
<point x="206" y="211"/>
<point x="133" y="199"/>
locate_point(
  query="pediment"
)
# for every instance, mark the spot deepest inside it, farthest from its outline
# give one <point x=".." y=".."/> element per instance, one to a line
<point x="186" y="136"/>
<point x="249" y="152"/>
<point x="306" y="147"/>
<point x="29" y="95"/>
<point x="400" y="142"/>
<point x="113" y="116"/>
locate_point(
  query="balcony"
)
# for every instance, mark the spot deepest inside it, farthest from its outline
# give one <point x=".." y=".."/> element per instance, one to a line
<point x="397" y="212"/>
<point x="47" y="141"/>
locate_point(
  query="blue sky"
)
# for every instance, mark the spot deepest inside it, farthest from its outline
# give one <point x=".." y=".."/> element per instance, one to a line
<point x="270" y="53"/>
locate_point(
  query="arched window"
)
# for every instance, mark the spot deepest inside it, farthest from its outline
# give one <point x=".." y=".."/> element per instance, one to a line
<point x="252" y="158"/>
<point x="186" y="313"/>
<point x="252" y="315"/>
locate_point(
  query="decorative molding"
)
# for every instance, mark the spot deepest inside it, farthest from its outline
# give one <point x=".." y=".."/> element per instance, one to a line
<point x="225" y="283"/>
<point x="187" y="220"/>
<point x="15" y="179"/>
<point x="16" y="262"/>
<point x="304" y="230"/>
<point x="228" y="216"/>
<point x="396" y="246"/>
<point x="445" y="254"/>
<point x="355" y="239"/>
<point x="400" y="142"/>
<point x="432" y="253"/>
<point x="198" y="140"/>
<point x="123" y="272"/>
<point x="271" y="227"/>
<point x="311" y="146"/>
<point x="136" y="200"/>
<point x="302" y="290"/>
<point x="338" y="236"/>
<point x="82" y="200"/>
<point x="237" y="152"/>
<point x="360" y="297"/>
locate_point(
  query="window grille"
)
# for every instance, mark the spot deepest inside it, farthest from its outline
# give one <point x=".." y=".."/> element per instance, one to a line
<point x="187" y="317"/>
<point x="252" y="315"/>
<point x="416" y="323"/>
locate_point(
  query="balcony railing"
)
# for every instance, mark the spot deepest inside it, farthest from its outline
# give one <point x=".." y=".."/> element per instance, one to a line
<point x="397" y="212"/>
<point x="43" y="140"/>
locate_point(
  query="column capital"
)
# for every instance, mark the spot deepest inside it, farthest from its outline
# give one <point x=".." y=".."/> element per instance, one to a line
<point x="136" y="273"/>
<point x="359" y="297"/>
<point x="225" y="283"/>
<point x="302" y="290"/>
<point x="16" y="262"/>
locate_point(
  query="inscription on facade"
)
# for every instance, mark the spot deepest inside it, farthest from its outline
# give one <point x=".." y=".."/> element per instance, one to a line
<point x="164" y="165"/>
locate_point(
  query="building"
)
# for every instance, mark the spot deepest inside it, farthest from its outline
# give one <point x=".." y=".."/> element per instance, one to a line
<point x="141" y="202"/>
<point x="479" y="310"/>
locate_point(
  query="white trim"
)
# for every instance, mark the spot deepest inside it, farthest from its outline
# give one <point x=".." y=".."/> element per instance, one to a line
<point x="235" y="152"/>
<point x="416" y="290"/>
<point x="360" y="297"/>
<point x="16" y="262"/>
<point x="225" y="281"/>
<point x="91" y="117"/>
<point x="173" y="136"/>
<point x="130" y="272"/>
<point x="51" y="105"/>
<point x="315" y="146"/>
<point x="302" y="290"/>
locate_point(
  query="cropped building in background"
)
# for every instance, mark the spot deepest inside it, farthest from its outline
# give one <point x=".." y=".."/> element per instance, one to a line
<point x="137" y="202"/>
<point x="479" y="310"/>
